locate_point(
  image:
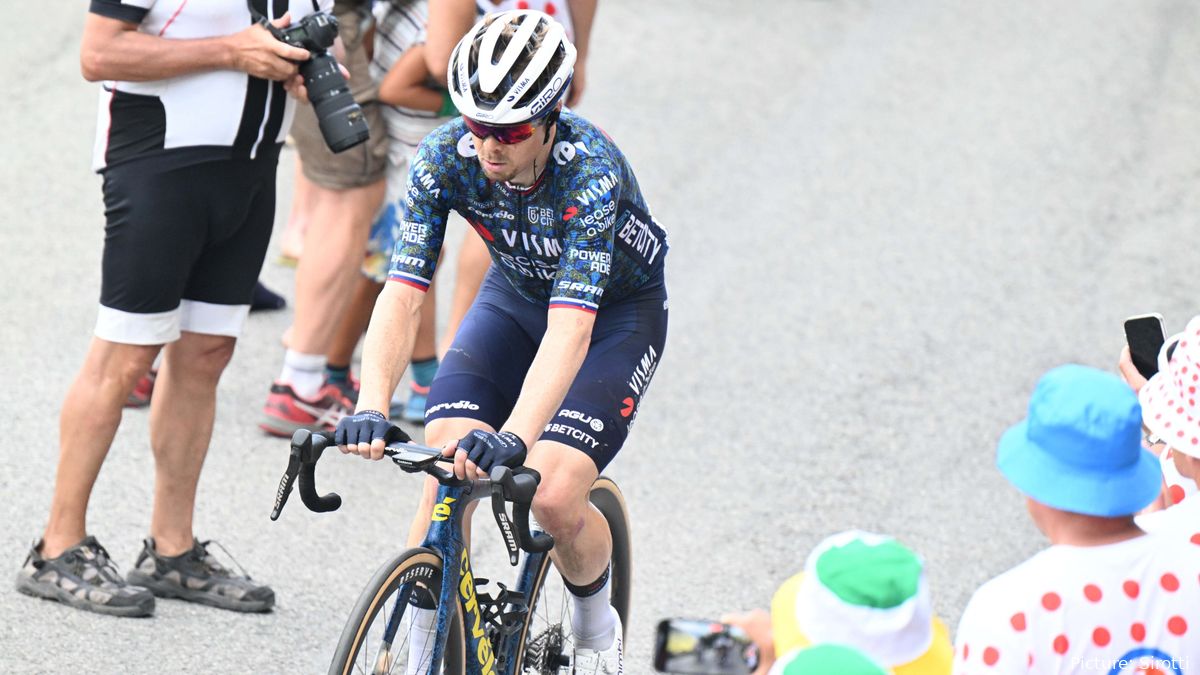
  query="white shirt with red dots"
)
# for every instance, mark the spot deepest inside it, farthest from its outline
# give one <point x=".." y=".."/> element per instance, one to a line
<point x="1129" y="607"/>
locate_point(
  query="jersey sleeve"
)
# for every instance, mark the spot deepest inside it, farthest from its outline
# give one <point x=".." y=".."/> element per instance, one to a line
<point x="426" y="207"/>
<point x="130" y="11"/>
<point x="588" y="216"/>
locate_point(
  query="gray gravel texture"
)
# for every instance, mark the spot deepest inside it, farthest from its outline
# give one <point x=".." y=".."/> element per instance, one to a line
<point x="887" y="218"/>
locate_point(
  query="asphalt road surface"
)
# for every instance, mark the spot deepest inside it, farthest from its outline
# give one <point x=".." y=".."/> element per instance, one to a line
<point x="887" y="219"/>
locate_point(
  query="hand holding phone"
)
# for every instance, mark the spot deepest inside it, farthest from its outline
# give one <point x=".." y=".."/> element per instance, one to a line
<point x="699" y="647"/>
<point x="1145" y="335"/>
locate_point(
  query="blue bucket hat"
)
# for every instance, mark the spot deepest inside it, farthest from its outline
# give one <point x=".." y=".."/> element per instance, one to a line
<point x="1080" y="448"/>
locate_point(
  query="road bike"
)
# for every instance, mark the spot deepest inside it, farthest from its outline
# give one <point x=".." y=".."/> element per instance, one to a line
<point x="525" y="629"/>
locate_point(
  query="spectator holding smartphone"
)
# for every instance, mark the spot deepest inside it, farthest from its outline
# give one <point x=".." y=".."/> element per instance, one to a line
<point x="1172" y="422"/>
<point x="1104" y="591"/>
<point x="859" y="590"/>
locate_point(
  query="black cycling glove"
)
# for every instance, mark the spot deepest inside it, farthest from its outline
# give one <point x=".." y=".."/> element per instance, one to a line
<point x="366" y="426"/>
<point x="488" y="450"/>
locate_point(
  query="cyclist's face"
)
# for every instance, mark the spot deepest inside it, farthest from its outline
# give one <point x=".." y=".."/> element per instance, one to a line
<point x="513" y="162"/>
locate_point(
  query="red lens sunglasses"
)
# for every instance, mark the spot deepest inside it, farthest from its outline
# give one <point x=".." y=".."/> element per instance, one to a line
<point x="508" y="135"/>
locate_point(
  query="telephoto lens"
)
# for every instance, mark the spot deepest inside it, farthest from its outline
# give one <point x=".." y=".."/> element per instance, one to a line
<point x="341" y="119"/>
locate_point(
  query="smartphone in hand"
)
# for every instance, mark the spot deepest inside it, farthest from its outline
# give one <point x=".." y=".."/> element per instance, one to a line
<point x="698" y="647"/>
<point x="1145" y="335"/>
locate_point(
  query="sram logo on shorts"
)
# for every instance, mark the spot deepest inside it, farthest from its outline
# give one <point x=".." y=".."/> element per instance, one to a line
<point x="595" y="423"/>
<point x="457" y="405"/>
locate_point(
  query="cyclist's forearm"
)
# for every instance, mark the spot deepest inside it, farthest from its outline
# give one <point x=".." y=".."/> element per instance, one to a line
<point x="554" y="368"/>
<point x="389" y="344"/>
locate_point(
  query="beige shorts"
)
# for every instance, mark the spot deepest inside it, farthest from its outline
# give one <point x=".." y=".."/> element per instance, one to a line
<point x="365" y="163"/>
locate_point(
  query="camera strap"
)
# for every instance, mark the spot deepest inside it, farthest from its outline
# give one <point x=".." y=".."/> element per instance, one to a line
<point x="263" y="21"/>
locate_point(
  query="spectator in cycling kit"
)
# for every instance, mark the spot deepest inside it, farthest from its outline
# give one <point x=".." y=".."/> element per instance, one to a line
<point x="552" y="361"/>
<point x="1104" y="593"/>
<point x="193" y="112"/>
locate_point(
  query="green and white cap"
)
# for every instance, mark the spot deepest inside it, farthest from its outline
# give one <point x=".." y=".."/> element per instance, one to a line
<point x="825" y="660"/>
<point x="867" y="591"/>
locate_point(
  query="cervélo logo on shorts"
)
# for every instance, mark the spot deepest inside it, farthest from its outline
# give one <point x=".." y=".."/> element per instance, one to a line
<point x="457" y="405"/>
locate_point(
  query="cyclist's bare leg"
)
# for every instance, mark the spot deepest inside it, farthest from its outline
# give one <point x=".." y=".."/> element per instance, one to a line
<point x="181" y="424"/>
<point x="438" y="433"/>
<point x="91" y="413"/>
<point x="582" y="541"/>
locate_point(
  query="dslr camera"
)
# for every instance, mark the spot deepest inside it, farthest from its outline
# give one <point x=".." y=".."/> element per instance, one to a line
<point x="339" y="117"/>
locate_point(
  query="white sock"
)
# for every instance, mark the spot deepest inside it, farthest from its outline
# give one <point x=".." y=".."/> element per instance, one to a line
<point x="594" y="623"/>
<point x="422" y="633"/>
<point x="305" y="372"/>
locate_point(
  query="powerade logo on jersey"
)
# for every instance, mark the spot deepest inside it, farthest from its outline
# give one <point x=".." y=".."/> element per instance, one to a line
<point x="601" y="261"/>
<point x="598" y="188"/>
<point x="413" y="233"/>
<point x="639" y="236"/>
<point x="474" y="618"/>
<point x="543" y="99"/>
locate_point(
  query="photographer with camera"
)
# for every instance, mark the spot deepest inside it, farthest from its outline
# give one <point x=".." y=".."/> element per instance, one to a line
<point x="193" y="111"/>
<point x="345" y="190"/>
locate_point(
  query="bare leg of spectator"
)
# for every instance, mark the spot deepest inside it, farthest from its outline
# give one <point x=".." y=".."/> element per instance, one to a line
<point x="90" y="416"/>
<point x="181" y="424"/>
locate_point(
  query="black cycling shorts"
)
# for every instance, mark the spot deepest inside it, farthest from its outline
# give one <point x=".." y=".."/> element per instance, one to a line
<point x="482" y="374"/>
<point x="183" y="248"/>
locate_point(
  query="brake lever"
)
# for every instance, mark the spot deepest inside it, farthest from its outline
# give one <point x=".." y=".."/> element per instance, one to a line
<point x="502" y="480"/>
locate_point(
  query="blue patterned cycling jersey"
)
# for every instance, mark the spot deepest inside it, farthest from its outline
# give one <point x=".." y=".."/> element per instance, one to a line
<point x="581" y="236"/>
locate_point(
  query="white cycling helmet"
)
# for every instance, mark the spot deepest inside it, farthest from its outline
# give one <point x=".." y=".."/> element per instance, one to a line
<point x="511" y="67"/>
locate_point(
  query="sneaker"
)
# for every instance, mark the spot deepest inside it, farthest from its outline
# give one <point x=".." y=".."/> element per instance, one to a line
<point x="610" y="661"/>
<point x="83" y="577"/>
<point x="285" y="412"/>
<point x="140" y="396"/>
<point x="196" y="576"/>
<point x="412" y="410"/>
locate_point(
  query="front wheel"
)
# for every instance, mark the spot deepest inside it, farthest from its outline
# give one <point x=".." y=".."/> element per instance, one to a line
<point x="546" y="643"/>
<point x="378" y="637"/>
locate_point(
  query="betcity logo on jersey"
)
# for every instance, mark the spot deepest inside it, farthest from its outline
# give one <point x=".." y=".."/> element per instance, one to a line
<point x="594" y="422"/>
<point x="638" y="237"/>
<point x="538" y="215"/>
<point x="643" y="371"/>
